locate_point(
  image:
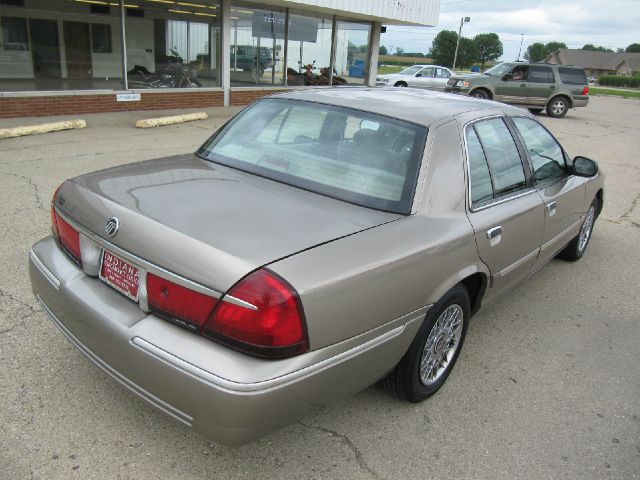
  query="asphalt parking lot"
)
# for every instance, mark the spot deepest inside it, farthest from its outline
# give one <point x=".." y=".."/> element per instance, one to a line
<point x="547" y="385"/>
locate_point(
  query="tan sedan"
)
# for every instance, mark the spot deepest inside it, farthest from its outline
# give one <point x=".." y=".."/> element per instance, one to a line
<point x="321" y="241"/>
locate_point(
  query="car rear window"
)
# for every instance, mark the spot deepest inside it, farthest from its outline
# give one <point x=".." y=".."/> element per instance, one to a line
<point x="355" y="156"/>
<point x="572" y="76"/>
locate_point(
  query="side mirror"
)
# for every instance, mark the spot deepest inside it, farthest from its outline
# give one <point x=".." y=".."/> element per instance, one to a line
<point x="584" y="167"/>
<point x="418" y="74"/>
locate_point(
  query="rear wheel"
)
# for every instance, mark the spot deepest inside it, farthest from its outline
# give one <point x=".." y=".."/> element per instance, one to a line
<point x="558" y="107"/>
<point x="576" y="247"/>
<point x="435" y="349"/>
<point x="400" y="84"/>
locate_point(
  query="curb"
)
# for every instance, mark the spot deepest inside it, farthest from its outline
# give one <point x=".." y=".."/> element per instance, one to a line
<point x="157" y="122"/>
<point x="42" y="128"/>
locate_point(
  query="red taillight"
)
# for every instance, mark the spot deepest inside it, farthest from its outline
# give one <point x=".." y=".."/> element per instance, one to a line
<point x="178" y="303"/>
<point x="585" y="90"/>
<point x="68" y="236"/>
<point x="274" y="328"/>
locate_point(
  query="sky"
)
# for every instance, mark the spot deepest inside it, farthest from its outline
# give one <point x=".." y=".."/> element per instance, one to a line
<point x="610" y="23"/>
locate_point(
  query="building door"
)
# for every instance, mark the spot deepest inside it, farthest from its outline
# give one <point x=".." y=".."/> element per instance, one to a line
<point x="45" y="49"/>
<point x="77" y="45"/>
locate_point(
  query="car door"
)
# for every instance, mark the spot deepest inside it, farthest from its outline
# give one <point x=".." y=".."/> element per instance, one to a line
<point x="513" y="86"/>
<point x="563" y="194"/>
<point x="424" y="78"/>
<point x="441" y="78"/>
<point x="542" y="84"/>
<point x="505" y="210"/>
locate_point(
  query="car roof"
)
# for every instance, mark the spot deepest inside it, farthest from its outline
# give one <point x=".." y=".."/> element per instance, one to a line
<point x="415" y="105"/>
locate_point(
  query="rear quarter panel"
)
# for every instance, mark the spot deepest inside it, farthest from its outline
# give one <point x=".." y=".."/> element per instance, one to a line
<point x="357" y="283"/>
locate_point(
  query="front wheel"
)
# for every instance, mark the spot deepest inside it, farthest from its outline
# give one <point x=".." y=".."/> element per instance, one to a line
<point x="481" y="94"/>
<point x="434" y="350"/>
<point x="576" y="247"/>
<point x="400" y="84"/>
<point x="558" y="107"/>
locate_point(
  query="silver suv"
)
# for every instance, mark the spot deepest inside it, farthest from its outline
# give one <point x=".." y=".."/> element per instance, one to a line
<point x="534" y="86"/>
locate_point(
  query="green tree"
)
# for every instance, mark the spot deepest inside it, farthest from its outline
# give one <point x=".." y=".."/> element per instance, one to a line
<point x="467" y="52"/>
<point x="383" y="50"/>
<point x="488" y="46"/>
<point x="633" y="48"/>
<point x="535" y="52"/>
<point x="553" y="46"/>
<point x="593" y="48"/>
<point x="443" y="48"/>
<point x="538" y="51"/>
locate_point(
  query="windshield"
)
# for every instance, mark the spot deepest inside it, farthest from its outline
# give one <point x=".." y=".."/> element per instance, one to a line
<point x="499" y="70"/>
<point x="359" y="157"/>
<point x="411" y="70"/>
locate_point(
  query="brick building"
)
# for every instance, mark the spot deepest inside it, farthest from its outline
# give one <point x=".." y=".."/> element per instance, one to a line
<point x="79" y="56"/>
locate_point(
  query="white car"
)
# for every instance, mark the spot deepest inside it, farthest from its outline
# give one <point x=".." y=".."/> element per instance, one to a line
<point x="433" y="77"/>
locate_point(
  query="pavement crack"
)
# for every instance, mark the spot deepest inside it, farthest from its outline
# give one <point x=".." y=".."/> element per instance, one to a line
<point x="34" y="186"/>
<point x="33" y="310"/>
<point x="625" y="217"/>
<point x="346" y="441"/>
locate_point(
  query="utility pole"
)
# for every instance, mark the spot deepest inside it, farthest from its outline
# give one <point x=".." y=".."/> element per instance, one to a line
<point x="463" y="20"/>
<point x="520" y="51"/>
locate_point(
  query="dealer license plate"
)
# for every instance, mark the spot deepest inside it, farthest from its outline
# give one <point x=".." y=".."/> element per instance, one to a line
<point x="120" y="275"/>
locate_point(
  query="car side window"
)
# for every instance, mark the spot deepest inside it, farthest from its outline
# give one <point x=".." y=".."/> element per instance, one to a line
<point x="427" y="72"/>
<point x="503" y="157"/>
<point x="442" y="73"/>
<point x="539" y="74"/>
<point x="519" y="74"/>
<point x="546" y="155"/>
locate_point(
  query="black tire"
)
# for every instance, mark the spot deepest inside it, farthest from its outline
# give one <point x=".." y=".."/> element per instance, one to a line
<point x="536" y="111"/>
<point x="480" y="93"/>
<point x="400" y="84"/>
<point x="405" y="380"/>
<point x="558" y="107"/>
<point x="578" y="246"/>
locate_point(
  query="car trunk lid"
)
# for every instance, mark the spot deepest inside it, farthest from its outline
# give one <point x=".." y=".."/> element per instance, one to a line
<point x="208" y="222"/>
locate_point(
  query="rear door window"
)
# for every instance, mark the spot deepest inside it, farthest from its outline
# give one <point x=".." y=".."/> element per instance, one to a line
<point x="541" y="74"/>
<point x="502" y="156"/>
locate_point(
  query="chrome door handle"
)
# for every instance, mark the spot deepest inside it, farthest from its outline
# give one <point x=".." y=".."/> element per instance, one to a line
<point x="551" y="207"/>
<point x="494" y="232"/>
<point x="494" y="235"/>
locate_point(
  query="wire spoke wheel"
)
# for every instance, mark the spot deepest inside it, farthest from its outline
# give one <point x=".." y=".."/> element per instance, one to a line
<point x="441" y="345"/>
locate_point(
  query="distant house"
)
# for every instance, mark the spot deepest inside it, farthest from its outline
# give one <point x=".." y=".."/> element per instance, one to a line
<point x="596" y="63"/>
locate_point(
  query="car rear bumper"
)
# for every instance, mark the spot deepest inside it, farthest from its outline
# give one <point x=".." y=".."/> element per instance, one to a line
<point x="227" y="396"/>
<point x="580" y="100"/>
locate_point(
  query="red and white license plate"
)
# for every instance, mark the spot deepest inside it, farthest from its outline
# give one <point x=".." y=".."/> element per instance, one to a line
<point x="120" y="275"/>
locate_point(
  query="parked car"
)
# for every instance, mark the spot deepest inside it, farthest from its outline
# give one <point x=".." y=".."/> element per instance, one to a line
<point x="432" y="77"/>
<point x="534" y="86"/>
<point x="321" y="241"/>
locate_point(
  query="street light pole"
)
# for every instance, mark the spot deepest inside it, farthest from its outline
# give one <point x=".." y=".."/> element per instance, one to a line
<point x="463" y="20"/>
<point x="521" y="40"/>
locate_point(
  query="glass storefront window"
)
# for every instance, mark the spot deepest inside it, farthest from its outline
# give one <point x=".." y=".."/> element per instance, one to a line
<point x="309" y="51"/>
<point x="60" y="45"/>
<point x="352" y="51"/>
<point x="257" y="45"/>
<point x="173" y="45"/>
